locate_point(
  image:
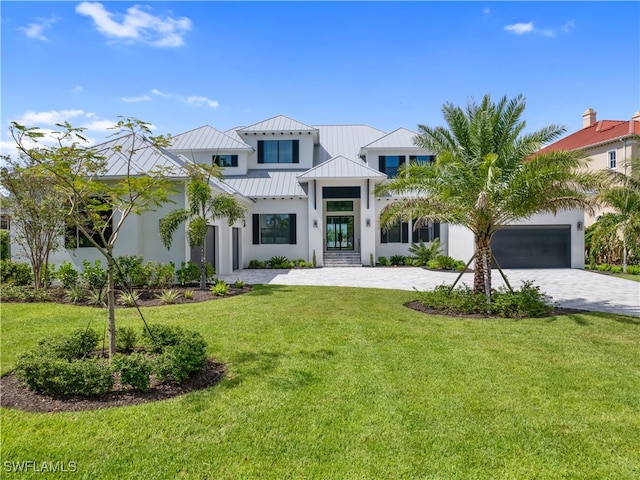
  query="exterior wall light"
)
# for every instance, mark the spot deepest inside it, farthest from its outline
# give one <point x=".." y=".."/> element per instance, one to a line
<point x="315" y="224"/>
<point x="580" y="226"/>
<point x="368" y="222"/>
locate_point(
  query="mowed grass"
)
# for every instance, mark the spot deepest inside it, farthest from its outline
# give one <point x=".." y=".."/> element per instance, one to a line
<point x="340" y="383"/>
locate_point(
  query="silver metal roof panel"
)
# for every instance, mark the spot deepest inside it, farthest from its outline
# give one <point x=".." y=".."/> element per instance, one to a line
<point x="341" y="167"/>
<point x="280" y="123"/>
<point x="207" y="138"/>
<point x="268" y="184"/>
<point x="343" y="140"/>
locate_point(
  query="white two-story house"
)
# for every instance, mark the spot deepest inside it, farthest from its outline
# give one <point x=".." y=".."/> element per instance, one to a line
<point x="310" y="193"/>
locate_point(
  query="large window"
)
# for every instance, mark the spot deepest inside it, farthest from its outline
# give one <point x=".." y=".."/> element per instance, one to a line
<point x="74" y="238"/>
<point x="278" y="151"/>
<point x="613" y="163"/>
<point x="226" y="160"/>
<point x="425" y="233"/>
<point x="274" y="228"/>
<point x="389" y="164"/>
<point x="399" y="233"/>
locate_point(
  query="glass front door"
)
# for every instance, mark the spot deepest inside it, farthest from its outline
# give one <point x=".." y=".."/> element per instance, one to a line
<point x="340" y="232"/>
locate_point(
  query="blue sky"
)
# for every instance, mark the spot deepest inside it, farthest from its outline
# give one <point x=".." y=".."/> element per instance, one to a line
<point x="181" y="65"/>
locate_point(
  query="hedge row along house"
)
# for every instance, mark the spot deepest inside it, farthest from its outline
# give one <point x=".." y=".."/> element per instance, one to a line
<point x="309" y="193"/>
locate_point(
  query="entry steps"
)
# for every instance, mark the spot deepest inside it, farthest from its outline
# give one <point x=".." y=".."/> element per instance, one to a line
<point x="342" y="259"/>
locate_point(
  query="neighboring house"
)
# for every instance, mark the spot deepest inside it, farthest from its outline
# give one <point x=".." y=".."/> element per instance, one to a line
<point x="309" y="191"/>
<point x="609" y="144"/>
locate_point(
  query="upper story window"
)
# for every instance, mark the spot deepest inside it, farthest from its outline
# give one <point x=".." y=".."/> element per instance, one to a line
<point x="611" y="156"/>
<point x="278" y="151"/>
<point x="389" y="164"/>
<point x="422" y="159"/>
<point x="226" y="160"/>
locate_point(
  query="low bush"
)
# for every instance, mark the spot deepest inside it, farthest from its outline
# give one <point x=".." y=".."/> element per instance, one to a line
<point x="168" y="297"/>
<point x="383" y="261"/>
<point x="256" y="264"/>
<point x="279" y="262"/>
<point x="130" y="272"/>
<point x="93" y="276"/>
<point x="220" y="288"/>
<point x="67" y="275"/>
<point x="423" y="252"/>
<point x="526" y="302"/>
<point x="633" y="269"/>
<point x="15" y="273"/>
<point x="188" y="273"/>
<point x="128" y="299"/>
<point x="15" y="293"/>
<point x="445" y="262"/>
<point x="396" y="260"/>
<point x="135" y="370"/>
<point x="4" y="244"/>
<point x="75" y="294"/>
<point x="181" y="360"/>
<point x="126" y="339"/>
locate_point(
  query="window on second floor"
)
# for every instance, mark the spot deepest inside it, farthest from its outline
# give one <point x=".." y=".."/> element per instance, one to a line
<point x="611" y="156"/>
<point x="278" y="151"/>
<point x="226" y="160"/>
<point x="390" y="164"/>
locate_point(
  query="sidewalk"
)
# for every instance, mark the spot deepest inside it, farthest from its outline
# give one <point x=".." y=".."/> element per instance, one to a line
<point x="569" y="288"/>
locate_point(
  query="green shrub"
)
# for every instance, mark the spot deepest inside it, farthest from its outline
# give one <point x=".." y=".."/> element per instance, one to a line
<point x="93" y="276"/>
<point x="188" y="273"/>
<point x="423" y="253"/>
<point x="15" y="293"/>
<point x="409" y="261"/>
<point x="397" y="260"/>
<point x="615" y="269"/>
<point x="219" y="288"/>
<point x="188" y="294"/>
<point x="135" y="370"/>
<point x="256" y="264"/>
<point x="603" y="267"/>
<point x="181" y="360"/>
<point x="239" y="283"/>
<point x="278" y="262"/>
<point x="126" y="339"/>
<point x="75" y="294"/>
<point x="4" y="244"/>
<point x="157" y="336"/>
<point x="67" y="275"/>
<point x="16" y="273"/>
<point x="383" y="261"/>
<point x="96" y="297"/>
<point x="168" y="297"/>
<point x="130" y="272"/>
<point x="526" y="302"/>
<point x="78" y="344"/>
<point x="164" y="274"/>
<point x="52" y="375"/>
<point x="445" y="262"/>
<point x="128" y="298"/>
<point x="633" y="269"/>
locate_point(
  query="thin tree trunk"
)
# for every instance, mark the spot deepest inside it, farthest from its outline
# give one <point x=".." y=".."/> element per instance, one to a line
<point x="111" y="302"/>
<point x="203" y="265"/>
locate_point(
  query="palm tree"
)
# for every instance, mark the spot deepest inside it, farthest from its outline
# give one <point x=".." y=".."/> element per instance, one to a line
<point x="487" y="174"/>
<point x="623" y="196"/>
<point x="204" y="207"/>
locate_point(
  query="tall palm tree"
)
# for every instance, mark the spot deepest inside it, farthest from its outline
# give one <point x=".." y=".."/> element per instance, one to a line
<point x="204" y="207"/>
<point x="487" y="174"/>
<point x="623" y="196"/>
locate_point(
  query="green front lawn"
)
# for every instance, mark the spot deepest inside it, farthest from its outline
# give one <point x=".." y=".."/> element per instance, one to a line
<point x="337" y="383"/>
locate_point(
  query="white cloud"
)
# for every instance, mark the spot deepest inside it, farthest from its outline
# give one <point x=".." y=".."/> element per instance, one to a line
<point x="525" y="28"/>
<point x="78" y="88"/>
<point x="36" y="30"/>
<point x="200" y="101"/>
<point x="520" y="28"/>
<point x="137" y="25"/>
<point x="144" y="98"/>
<point x="51" y="117"/>
<point x="159" y="93"/>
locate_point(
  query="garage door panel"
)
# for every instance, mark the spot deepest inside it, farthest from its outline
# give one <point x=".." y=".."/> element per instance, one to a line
<point x="533" y="247"/>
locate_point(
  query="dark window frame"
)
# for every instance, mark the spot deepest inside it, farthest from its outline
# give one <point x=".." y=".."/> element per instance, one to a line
<point x="391" y="171"/>
<point x="399" y="233"/>
<point x="280" y="157"/>
<point x="425" y="234"/>
<point x="75" y="238"/>
<point x="262" y="232"/>
<point x="219" y="160"/>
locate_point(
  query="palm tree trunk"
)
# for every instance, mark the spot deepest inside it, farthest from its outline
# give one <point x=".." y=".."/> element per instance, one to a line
<point x="482" y="272"/>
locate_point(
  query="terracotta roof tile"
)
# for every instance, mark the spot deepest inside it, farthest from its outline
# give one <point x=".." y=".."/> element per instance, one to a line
<point x="600" y="132"/>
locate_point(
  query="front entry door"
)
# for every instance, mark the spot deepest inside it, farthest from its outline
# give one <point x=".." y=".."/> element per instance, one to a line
<point x="340" y="232"/>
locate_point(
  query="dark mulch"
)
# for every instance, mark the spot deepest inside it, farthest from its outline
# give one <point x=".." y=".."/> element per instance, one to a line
<point x="15" y="393"/>
<point x="417" y="306"/>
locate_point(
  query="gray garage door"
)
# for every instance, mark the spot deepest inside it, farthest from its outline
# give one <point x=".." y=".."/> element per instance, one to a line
<point x="533" y="246"/>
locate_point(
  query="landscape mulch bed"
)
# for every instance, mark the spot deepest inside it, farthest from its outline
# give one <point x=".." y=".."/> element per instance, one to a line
<point x="16" y="394"/>
<point x="417" y="306"/>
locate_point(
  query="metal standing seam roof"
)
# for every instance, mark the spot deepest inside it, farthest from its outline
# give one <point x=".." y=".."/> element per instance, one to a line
<point x="207" y="138"/>
<point x="146" y="158"/>
<point x="279" y="123"/>
<point x="400" y="138"/>
<point x="268" y="184"/>
<point x="341" y="167"/>
<point x="343" y="140"/>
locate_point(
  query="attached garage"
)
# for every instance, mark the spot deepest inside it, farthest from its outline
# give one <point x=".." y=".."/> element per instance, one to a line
<point x="533" y="246"/>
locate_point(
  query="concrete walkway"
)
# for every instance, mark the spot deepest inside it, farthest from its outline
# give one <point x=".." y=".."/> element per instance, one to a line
<point x="567" y="287"/>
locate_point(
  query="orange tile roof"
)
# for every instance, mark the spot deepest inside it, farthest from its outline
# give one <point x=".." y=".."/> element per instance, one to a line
<point x="600" y="132"/>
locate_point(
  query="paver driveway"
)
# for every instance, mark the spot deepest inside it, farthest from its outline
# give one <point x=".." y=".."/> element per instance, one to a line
<point x="568" y="287"/>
